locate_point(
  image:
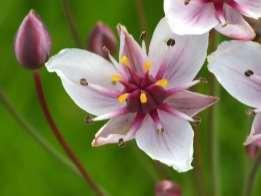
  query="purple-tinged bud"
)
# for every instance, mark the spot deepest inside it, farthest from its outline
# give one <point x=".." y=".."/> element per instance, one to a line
<point x="167" y="188"/>
<point x="253" y="148"/>
<point x="102" y="40"/>
<point x="32" y="42"/>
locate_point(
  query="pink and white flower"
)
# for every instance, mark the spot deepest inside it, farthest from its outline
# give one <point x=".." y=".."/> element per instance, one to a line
<point x="237" y="66"/>
<point x="200" y="16"/>
<point x="144" y="95"/>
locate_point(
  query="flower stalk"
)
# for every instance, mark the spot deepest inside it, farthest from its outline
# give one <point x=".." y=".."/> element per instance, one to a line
<point x="34" y="133"/>
<point x="141" y="14"/>
<point x="60" y="138"/>
<point x="199" y="180"/>
<point x="250" y="182"/>
<point x="71" y="23"/>
<point x="212" y="122"/>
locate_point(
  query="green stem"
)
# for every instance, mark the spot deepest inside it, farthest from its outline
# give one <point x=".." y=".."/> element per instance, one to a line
<point x="199" y="179"/>
<point x="141" y="14"/>
<point x="71" y="23"/>
<point x="212" y="124"/>
<point x="250" y="182"/>
<point x="60" y="138"/>
<point x="34" y="133"/>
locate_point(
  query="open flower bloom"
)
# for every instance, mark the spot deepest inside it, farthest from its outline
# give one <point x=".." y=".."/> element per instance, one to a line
<point x="200" y="16"/>
<point x="144" y="96"/>
<point x="237" y="66"/>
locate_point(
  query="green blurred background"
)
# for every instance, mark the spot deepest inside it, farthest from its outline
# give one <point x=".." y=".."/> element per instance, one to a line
<point x="26" y="169"/>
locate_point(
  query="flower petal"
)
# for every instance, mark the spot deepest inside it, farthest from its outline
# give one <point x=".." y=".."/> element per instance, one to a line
<point x="236" y="26"/>
<point x="75" y="64"/>
<point x="89" y="100"/>
<point x="72" y="65"/>
<point x="195" y="18"/>
<point x="230" y="63"/>
<point x="131" y="49"/>
<point x="254" y="137"/>
<point x="173" y="146"/>
<point x="181" y="61"/>
<point x="114" y="130"/>
<point x="251" y="8"/>
<point x="191" y="103"/>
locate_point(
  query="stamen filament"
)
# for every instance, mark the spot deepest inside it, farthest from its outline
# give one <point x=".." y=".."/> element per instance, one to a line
<point x="256" y="78"/>
<point x="186" y="86"/>
<point x="110" y="115"/>
<point x="136" y="124"/>
<point x="155" y="117"/>
<point x="168" y="108"/>
<point x="99" y="89"/>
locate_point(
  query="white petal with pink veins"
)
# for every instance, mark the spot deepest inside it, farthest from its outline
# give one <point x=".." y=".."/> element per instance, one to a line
<point x="173" y="146"/>
<point x="72" y="65"/>
<point x="230" y="63"/>
<point x="195" y="18"/>
<point x="130" y="48"/>
<point x="254" y="137"/>
<point x="114" y="131"/>
<point x="75" y="64"/>
<point x="183" y="60"/>
<point x="236" y="26"/>
<point x="191" y="103"/>
<point x="89" y="100"/>
<point x="251" y="8"/>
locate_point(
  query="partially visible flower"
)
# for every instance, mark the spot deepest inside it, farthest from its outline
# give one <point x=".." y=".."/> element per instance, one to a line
<point x="144" y="95"/>
<point x="32" y="42"/>
<point x="167" y="188"/>
<point x="200" y="16"/>
<point x="101" y="39"/>
<point x="237" y="66"/>
<point x="253" y="142"/>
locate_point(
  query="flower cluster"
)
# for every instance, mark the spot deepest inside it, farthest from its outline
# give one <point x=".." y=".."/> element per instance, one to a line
<point x="145" y="93"/>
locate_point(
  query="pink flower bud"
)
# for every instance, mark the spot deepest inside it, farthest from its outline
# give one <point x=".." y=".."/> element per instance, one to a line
<point x="32" y="42"/>
<point x="253" y="148"/>
<point x="167" y="188"/>
<point x="101" y="39"/>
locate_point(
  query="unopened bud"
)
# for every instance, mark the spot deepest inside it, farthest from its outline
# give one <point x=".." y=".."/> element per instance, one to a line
<point x="253" y="148"/>
<point x="167" y="188"/>
<point x="100" y="38"/>
<point x="32" y="42"/>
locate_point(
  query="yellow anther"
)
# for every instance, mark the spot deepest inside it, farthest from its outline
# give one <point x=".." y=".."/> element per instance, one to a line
<point x="116" y="78"/>
<point x="123" y="98"/>
<point x="143" y="98"/>
<point x="147" y="65"/>
<point x="124" y="60"/>
<point x="162" y="83"/>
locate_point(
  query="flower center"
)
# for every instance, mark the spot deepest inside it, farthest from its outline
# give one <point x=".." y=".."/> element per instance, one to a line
<point x="142" y="93"/>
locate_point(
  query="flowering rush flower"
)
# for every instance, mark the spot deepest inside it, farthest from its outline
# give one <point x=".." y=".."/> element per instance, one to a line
<point x="144" y="96"/>
<point x="237" y="67"/>
<point x="200" y="16"/>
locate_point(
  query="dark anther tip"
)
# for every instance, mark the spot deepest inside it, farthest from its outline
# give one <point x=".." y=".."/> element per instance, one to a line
<point x="171" y="42"/>
<point x="83" y="82"/>
<point x="249" y="73"/>
<point x="121" y="143"/>
<point x="143" y="35"/>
